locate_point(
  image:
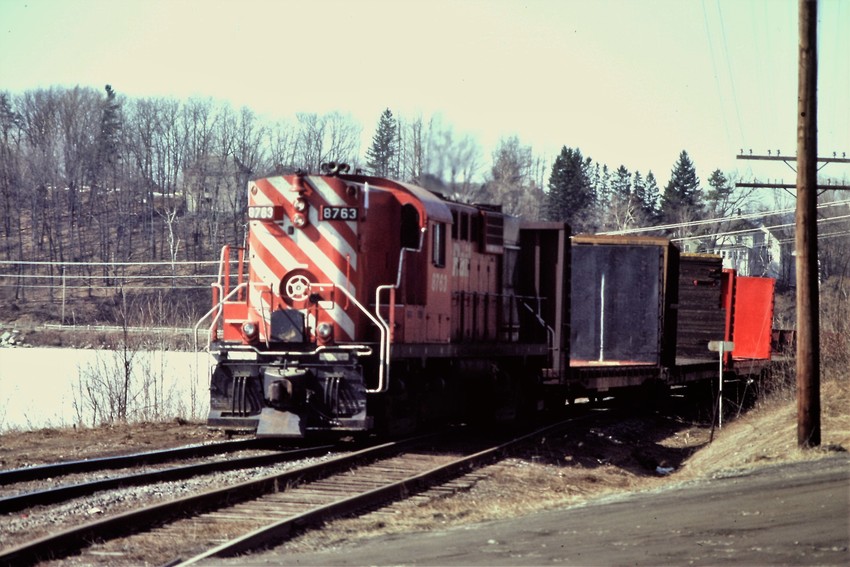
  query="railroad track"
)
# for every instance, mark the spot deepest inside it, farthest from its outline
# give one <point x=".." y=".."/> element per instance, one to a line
<point x="67" y="492"/>
<point x="257" y="513"/>
<point x="54" y="470"/>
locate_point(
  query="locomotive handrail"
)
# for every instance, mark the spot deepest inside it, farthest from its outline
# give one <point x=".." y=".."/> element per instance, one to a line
<point x="221" y="285"/>
<point x="224" y="262"/>
<point x="550" y="332"/>
<point x="386" y="329"/>
<point x="266" y="323"/>
<point x="217" y="307"/>
<point x="363" y="350"/>
<point x="383" y="356"/>
<point x="220" y="308"/>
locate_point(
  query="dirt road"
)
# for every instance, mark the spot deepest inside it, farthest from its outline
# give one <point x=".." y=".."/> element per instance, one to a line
<point x="777" y="515"/>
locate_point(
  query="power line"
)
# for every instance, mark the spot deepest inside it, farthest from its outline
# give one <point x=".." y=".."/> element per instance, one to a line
<point x="747" y="216"/>
<point x="729" y="68"/>
<point x="820" y="236"/>
<point x="748" y="230"/>
<point x="716" y="76"/>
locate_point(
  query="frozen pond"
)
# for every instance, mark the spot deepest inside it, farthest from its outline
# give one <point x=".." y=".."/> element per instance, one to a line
<point x="59" y="387"/>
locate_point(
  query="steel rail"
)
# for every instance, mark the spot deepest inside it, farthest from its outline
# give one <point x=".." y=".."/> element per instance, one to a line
<point x="74" y="539"/>
<point x="77" y="538"/>
<point x="277" y="532"/>
<point x="40" y="472"/>
<point x="67" y="492"/>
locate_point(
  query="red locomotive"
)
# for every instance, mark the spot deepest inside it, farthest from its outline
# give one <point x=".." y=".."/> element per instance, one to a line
<point x="361" y="303"/>
<point x="367" y="301"/>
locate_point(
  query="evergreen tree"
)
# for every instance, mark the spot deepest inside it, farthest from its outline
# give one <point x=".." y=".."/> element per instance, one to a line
<point x="622" y="185"/>
<point x="381" y="158"/>
<point x="620" y="212"/>
<point x="570" y="196"/>
<point x="603" y="189"/>
<point x="652" y="194"/>
<point x="718" y="196"/>
<point x="682" y="198"/>
<point x="638" y="190"/>
<point x="107" y="153"/>
<point x="10" y="173"/>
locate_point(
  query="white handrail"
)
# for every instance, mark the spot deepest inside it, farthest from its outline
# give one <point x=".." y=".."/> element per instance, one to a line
<point x="385" y="326"/>
<point x="217" y="307"/>
<point x="383" y="348"/>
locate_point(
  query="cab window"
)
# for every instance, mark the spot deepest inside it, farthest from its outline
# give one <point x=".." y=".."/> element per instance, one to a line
<point x="438" y="245"/>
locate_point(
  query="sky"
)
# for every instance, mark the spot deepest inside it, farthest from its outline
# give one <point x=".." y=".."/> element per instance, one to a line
<point x="628" y="82"/>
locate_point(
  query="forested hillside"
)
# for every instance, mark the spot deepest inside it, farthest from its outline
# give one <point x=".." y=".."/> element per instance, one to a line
<point x="102" y="195"/>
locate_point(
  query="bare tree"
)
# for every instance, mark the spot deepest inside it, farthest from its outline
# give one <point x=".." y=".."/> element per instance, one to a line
<point x="321" y="139"/>
<point x="442" y="155"/>
<point x="343" y="139"/>
<point x="78" y="118"/>
<point x="834" y="242"/>
<point x="511" y="181"/>
<point x="10" y="167"/>
<point x="282" y="142"/>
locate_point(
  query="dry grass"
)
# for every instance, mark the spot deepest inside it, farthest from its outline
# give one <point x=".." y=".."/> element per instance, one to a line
<point x="27" y="448"/>
<point x="769" y="432"/>
<point x="537" y="481"/>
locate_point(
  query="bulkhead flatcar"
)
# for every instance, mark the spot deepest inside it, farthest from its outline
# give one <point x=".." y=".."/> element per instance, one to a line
<point x="638" y="313"/>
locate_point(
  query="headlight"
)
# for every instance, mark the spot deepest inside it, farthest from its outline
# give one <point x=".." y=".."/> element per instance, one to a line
<point x="249" y="330"/>
<point x="300" y="205"/>
<point x="299" y="220"/>
<point x="325" y="331"/>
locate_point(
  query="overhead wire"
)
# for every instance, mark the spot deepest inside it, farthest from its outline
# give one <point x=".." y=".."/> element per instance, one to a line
<point x="758" y="229"/>
<point x="746" y="216"/>
<point x="716" y="74"/>
<point x="729" y="69"/>
<point x="88" y="287"/>
<point x="153" y="263"/>
<point x="111" y="277"/>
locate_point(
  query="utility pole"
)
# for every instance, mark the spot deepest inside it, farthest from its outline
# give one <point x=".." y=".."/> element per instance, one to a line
<point x="806" y="243"/>
<point x="806" y="232"/>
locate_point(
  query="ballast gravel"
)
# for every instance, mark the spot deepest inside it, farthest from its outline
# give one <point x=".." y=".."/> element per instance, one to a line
<point x="26" y="525"/>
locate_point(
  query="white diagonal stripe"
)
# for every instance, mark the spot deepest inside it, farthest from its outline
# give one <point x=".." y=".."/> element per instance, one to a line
<point x="326" y="229"/>
<point x="267" y="276"/>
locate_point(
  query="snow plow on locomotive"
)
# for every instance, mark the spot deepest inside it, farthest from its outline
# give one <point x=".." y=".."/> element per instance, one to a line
<point x="365" y="304"/>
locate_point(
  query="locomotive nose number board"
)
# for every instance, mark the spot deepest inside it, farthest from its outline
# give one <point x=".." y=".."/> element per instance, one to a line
<point x="338" y="213"/>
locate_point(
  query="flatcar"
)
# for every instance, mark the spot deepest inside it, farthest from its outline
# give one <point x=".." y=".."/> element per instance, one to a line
<point x="366" y="304"/>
